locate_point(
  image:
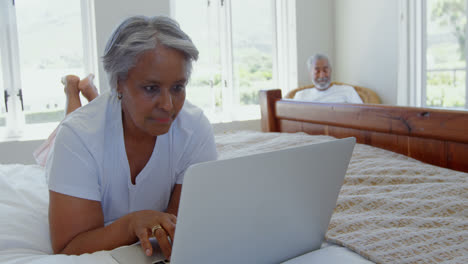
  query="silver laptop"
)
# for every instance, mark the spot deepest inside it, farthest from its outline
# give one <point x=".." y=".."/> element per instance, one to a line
<point x="262" y="208"/>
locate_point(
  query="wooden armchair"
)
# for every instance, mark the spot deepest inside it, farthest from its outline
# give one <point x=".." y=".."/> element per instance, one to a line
<point x="367" y="95"/>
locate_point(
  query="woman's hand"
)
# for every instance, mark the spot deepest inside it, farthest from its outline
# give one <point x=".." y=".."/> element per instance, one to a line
<point x="142" y="223"/>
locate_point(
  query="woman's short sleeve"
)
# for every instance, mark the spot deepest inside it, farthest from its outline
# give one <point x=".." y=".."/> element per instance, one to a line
<point x="201" y="149"/>
<point x="71" y="168"/>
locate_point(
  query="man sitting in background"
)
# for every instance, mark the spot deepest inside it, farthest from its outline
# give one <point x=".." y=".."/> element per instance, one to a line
<point x="320" y="72"/>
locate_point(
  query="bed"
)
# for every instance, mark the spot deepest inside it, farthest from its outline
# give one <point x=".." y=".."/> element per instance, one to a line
<point x="392" y="208"/>
<point x="434" y="136"/>
<point x="405" y="196"/>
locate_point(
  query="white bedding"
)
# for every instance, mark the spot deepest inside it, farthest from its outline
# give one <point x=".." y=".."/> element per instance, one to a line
<point x="24" y="231"/>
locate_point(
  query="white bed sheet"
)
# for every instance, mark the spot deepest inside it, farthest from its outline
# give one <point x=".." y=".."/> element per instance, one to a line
<point x="24" y="230"/>
<point x="331" y="254"/>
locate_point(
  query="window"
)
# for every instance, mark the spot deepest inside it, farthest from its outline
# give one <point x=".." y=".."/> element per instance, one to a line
<point x="446" y="57"/>
<point x="434" y="53"/>
<point x="204" y="89"/>
<point x="46" y="40"/>
<point x="2" y="99"/>
<point x="237" y="54"/>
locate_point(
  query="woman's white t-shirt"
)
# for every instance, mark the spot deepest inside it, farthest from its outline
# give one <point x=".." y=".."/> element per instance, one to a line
<point x="89" y="160"/>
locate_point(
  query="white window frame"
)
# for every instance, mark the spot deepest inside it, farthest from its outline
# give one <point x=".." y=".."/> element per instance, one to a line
<point x="284" y="68"/>
<point x="11" y="69"/>
<point x="229" y="90"/>
<point x="412" y="72"/>
<point x="16" y="129"/>
<point x="466" y="54"/>
<point x="88" y="25"/>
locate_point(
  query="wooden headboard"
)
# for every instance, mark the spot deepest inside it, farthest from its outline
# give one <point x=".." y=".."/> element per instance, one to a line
<point x="434" y="136"/>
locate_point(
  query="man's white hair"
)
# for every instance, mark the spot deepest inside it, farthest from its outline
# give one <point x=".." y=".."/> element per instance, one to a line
<point x="313" y="59"/>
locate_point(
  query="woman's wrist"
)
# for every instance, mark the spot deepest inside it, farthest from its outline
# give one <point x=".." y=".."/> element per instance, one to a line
<point x="129" y="222"/>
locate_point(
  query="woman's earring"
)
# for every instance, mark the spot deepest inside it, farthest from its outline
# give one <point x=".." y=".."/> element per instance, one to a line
<point x="119" y="95"/>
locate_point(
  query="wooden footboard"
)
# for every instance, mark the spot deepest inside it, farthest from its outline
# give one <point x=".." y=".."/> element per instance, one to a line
<point x="435" y="136"/>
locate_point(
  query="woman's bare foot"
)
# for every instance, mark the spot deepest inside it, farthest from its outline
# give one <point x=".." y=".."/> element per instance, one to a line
<point x="72" y="92"/>
<point x="87" y="88"/>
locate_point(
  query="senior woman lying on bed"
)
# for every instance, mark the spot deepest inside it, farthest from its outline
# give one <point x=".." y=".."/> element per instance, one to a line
<point x="117" y="164"/>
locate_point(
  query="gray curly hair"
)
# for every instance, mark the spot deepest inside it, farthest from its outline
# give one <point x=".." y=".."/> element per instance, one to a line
<point x="138" y="34"/>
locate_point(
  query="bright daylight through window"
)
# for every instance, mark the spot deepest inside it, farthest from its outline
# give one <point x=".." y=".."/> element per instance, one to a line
<point x="237" y="51"/>
<point x="446" y="54"/>
<point x="2" y="99"/>
<point x="50" y="44"/>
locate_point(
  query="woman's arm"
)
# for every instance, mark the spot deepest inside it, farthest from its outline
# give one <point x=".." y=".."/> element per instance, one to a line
<point x="173" y="206"/>
<point x="77" y="227"/>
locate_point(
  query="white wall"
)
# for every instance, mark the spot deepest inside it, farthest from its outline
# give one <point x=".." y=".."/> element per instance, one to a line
<point x="360" y="37"/>
<point x="252" y="125"/>
<point x="315" y="33"/>
<point x="110" y="13"/>
<point x="366" y="45"/>
<point x="18" y="151"/>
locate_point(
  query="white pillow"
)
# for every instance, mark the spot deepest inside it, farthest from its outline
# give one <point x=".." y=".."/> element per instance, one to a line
<point x="24" y="199"/>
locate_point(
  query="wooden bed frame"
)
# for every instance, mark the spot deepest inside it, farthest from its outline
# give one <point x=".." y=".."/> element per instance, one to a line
<point x="438" y="137"/>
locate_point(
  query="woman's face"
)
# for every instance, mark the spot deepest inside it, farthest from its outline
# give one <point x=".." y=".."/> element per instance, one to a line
<point x="154" y="91"/>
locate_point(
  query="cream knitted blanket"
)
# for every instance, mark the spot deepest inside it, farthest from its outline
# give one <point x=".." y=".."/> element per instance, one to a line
<point x="391" y="208"/>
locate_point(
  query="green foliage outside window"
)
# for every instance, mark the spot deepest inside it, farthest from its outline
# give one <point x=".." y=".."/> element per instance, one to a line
<point x="254" y="72"/>
<point x="445" y="89"/>
<point x="446" y="74"/>
<point x="452" y="13"/>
